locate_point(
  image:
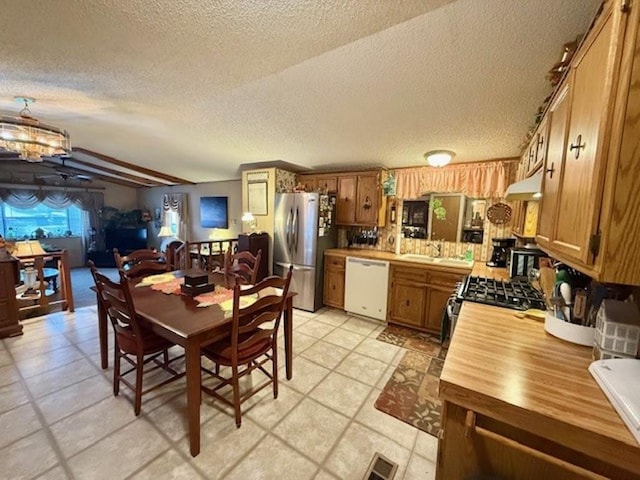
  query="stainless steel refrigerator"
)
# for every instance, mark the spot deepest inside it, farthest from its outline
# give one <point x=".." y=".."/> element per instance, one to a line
<point x="304" y="228"/>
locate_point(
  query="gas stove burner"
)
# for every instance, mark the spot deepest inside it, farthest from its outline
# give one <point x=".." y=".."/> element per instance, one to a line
<point x="517" y="294"/>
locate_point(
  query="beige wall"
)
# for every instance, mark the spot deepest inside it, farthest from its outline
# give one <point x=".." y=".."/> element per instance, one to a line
<point x="264" y="223"/>
<point x="117" y="196"/>
<point x="151" y="198"/>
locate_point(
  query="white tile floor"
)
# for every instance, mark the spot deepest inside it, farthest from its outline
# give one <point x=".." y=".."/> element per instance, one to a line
<point x="59" y="418"/>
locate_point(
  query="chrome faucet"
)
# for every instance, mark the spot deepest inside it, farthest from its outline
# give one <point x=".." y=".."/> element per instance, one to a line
<point x="437" y="247"/>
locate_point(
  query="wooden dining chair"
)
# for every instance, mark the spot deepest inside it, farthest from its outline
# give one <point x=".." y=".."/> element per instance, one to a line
<point x="243" y="265"/>
<point x="176" y="255"/>
<point x="141" y="263"/>
<point x="133" y="342"/>
<point x="252" y="341"/>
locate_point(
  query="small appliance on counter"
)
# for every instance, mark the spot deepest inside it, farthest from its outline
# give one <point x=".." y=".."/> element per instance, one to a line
<point x="523" y="260"/>
<point x="501" y="251"/>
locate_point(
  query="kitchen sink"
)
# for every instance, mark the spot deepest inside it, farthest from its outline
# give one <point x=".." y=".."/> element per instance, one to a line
<point x="444" y="261"/>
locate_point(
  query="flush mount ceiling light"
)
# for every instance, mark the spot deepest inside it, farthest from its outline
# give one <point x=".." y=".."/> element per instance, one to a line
<point x="25" y="136"/>
<point x="439" y="158"/>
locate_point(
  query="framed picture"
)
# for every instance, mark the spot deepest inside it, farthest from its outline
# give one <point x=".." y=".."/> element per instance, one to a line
<point x="257" y="198"/>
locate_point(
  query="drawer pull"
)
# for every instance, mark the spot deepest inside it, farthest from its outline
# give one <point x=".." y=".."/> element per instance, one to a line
<point x="471" y="428"/>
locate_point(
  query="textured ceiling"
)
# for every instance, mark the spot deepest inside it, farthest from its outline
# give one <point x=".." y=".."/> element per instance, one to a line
<point x="197" y="88"/>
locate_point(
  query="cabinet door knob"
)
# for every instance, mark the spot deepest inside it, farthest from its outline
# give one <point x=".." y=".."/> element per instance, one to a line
<point x="550" y="170"/>
<point x="407" y="303"/>
<point x="579" y="145"/>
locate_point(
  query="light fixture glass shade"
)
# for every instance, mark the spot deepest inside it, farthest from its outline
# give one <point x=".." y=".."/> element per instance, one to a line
<point x="439" y="158"/>
<point x="29" y="138"/>
<point x="249" y="220"/>
<point x="28" y="248"/>
<point x="165" y="231"/>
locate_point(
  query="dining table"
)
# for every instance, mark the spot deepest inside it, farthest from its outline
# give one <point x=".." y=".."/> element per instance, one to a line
<point x="178" y="318"/>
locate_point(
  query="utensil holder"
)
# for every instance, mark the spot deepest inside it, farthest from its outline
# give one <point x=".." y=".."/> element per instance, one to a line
<point x="568" y="331"/>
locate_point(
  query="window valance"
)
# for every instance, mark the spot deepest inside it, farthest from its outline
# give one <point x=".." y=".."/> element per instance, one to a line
<point x="480" y="180"/>
<point x="178" y="202"/>
<point x="90" y="201"/>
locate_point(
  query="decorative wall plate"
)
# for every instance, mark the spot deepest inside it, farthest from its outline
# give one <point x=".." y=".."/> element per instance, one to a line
<point x="499" y="213"/>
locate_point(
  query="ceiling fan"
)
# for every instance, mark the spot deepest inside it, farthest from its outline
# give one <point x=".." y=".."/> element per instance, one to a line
<point x="65" y="176"/>
<point x="65" y="173"/>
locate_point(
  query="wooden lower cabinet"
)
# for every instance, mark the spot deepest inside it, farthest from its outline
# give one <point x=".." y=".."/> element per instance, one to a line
<point x="437" y="299"/>
<point x="472" y="445"/>
<point x="407" y="303"/>
<point x="334" y="281"/>
<point x="419" y="295"/>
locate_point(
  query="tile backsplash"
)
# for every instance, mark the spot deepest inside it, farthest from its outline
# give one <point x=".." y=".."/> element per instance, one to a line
<point x="389" y="235"/>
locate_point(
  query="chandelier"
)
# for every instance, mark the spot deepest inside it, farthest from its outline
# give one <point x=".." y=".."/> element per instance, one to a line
<point x="29" y="138"/>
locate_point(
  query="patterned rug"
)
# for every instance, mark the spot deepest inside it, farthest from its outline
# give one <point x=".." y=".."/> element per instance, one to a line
<point x="411" y="394"/>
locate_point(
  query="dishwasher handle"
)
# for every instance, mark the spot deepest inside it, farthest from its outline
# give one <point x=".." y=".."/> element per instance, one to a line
<point x="363" y="262"/>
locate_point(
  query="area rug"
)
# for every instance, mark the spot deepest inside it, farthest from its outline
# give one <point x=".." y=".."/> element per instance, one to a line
<point x="411" y="394"/>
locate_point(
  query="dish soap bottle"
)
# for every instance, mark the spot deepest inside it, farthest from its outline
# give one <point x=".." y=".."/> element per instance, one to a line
<point x="468" y="256"/>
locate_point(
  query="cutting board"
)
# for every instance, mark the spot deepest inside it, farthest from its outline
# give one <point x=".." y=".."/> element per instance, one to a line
<point x="547" y="281"/>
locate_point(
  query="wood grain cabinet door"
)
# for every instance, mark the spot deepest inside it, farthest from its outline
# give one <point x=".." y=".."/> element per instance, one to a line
<point x="436" y="303"/>
<point x="309" y="182"/>
<point x="407" y="303"/>
<point x="327" y="183"/>
<point x="346" y="200"/>
<point x="367" y="203"/>
<point x="581" y="180"/>
<point x="334" y="287"/>
<point x="558" y="117"/>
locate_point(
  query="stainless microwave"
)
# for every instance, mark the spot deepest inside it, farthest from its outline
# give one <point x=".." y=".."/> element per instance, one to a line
<point x="523" y="260"/>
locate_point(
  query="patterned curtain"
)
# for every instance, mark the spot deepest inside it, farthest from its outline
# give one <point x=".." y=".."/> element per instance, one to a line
<point x="91" y="202"/>
<point x="179" y="203"/>
<point x="479" y="180"/>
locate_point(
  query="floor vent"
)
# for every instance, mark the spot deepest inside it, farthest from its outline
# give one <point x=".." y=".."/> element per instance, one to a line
<point x="381" y="468"/>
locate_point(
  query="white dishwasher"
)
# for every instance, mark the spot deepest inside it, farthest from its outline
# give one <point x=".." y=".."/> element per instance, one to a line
<point x="365" y="287"/>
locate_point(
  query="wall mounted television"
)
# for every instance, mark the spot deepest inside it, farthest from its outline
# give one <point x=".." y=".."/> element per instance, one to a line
<point x="214" y="212"/>
<point x="125" y="239"/>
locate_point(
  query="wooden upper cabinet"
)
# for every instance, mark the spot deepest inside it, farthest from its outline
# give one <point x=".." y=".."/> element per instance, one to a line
<point x="319" y="183"/>
<point x="557" y="118"/>
<point x="346" y="200"/>
<point x="309" y="182"/>
<point x="327" y="183"/>
<point x="541" y="137"/>
<point x="368" y="203"/>
<point x="359" y="200"/>
<point x="589" y="210"/>
<point x="578" y="199"/>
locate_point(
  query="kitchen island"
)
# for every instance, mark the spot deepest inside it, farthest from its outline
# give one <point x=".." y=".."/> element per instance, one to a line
<point x="521" y="404"/>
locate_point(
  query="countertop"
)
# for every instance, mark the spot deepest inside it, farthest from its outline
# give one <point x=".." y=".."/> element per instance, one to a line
<point x="392" y="257"/>
<point x="510" y="369"/>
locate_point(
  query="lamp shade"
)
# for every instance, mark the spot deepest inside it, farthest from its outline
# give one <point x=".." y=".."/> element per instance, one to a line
<point x="165" y="231"/>
<point x="439" y="158"/>
<point x="28" y="248"/>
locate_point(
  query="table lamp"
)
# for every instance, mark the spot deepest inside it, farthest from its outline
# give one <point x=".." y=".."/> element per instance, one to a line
<point x="28" y="248"/>
<point x="166" y="234"/>
<point x="250" y="221"/>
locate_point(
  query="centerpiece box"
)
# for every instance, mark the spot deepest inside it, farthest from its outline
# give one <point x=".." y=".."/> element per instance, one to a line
<point x="196" y="285"/>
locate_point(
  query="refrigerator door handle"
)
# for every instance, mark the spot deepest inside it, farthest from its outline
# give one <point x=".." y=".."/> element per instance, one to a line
<point x="295" y="230"/>
<point x="295" y="267"/>
<point x="288" y="229"/>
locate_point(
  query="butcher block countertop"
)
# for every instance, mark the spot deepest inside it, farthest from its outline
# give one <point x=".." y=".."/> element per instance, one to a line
<point x="510" y="369"/>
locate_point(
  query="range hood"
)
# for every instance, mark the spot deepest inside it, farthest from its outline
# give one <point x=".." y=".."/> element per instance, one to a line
<point x="527" y="189"/>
